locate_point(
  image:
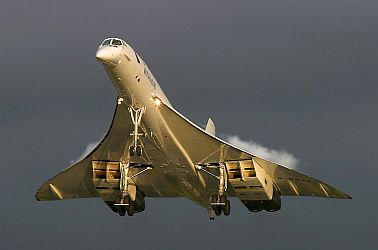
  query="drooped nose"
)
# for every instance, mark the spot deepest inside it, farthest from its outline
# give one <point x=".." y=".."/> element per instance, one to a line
<point x="106" y="54"/>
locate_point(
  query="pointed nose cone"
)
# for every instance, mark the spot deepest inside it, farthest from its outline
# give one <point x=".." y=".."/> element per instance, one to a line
<point x="104" y="54"/>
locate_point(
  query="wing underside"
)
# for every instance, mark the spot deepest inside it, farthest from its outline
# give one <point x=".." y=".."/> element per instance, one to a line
<point x="250" y="177"/>
<point x="76" y="181"/>
<point x="248" y="174"/>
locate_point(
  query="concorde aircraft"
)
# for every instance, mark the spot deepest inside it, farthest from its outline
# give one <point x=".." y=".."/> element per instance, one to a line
<point x="151" y="150"/>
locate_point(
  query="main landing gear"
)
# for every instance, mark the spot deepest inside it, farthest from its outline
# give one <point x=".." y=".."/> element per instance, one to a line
<point x="136" y="117"/>
<point x="126" y="201"/>
<point x="125" y="204"/>
<point x="219" y="202"/>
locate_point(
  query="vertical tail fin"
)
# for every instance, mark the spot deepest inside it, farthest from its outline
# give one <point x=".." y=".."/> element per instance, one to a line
<point x="210" y="127"/>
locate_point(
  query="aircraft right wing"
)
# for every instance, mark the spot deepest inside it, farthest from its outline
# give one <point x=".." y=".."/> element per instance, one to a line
<point x="292" y="183"/>
<point x="76" y="181"/>
<point x="251" y="177"/>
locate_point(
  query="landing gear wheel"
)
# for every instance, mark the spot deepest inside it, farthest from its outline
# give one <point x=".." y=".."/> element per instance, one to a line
<point x="218" y="210"/>
<point x="223" y="199"/>
<point x="130" y="208"/>
<point x="227" y="208"/>
<point x="132" y="150"/>
<point x="214" y="199"/>
<point x="121" y="210"/>
<point x="139" y="150"/>
<point x="118" y="200"/>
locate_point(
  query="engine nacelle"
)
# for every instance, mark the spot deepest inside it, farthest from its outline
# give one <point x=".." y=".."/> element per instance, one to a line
<point x="254" y="206"/>
<point x="272" y="205"/>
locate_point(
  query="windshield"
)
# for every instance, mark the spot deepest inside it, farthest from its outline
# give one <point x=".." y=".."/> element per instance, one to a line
<point x="113" y="42"/>
<point x="106" y="42"/>
<point x="116" y="42"/>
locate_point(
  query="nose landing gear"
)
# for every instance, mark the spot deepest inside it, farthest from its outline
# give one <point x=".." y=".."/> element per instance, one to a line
<point x="138" y="150"/>
<point x="136" y="117"/>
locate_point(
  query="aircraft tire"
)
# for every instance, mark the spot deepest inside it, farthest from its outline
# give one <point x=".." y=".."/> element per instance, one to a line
<point x="218" y="211"/>
<point x="132" y="151"/>
<point x="130" y="208"/>
<point x="223" y="199"/>
<point x="214" y="199"/>
<point x="227" y="208"/>
<point x="139" y="150"/>
<point x="121" y="210"/>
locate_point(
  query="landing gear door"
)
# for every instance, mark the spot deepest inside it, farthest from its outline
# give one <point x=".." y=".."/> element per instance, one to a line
<point x="265" y="180"/>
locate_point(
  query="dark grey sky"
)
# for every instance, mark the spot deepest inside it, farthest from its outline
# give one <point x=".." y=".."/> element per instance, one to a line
<point x="298" y="75"/>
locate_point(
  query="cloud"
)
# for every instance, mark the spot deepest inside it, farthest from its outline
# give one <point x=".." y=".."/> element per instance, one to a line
<point x="87" y="150"/>
<point x="280" y="156"/>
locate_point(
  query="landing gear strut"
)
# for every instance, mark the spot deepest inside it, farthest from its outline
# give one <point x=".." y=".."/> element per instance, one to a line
<point x="136" y="117"/>
<point x="219" y="202"/>
<point x="125" y="202"/>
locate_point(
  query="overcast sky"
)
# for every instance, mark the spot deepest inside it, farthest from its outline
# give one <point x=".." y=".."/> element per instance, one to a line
<point x="300" y="76"/>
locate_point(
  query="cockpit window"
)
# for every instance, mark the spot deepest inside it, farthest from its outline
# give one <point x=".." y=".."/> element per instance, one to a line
<point x="106" y="42"/>
<point x="116" y="42"/>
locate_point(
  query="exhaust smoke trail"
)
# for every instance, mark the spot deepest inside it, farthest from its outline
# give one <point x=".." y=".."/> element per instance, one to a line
<point x="280" y="156"/>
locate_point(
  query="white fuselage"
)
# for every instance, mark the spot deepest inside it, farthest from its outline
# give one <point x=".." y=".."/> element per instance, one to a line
<point x="130" y="75"/>
<point x="138" y="88"/>
<point x="132" y="79"/>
